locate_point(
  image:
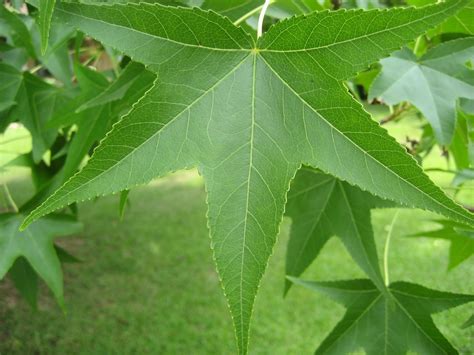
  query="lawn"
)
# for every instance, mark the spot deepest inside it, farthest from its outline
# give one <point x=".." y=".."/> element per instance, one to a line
<point x="147" y="284"/>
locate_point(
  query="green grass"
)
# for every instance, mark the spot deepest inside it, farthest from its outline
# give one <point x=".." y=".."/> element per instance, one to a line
<point x="147" y="284"/>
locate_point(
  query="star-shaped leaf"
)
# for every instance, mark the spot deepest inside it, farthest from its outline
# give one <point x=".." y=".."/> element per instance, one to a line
<point x="460" y="236"/>
<point x="35" y="244"/>
<point x="433" y="83"/>
<point x="322" y="206"/>
<point x="36" y="101"/>
<point x="132" y="73"/>
<point x="248" y="115"/>
<point x="390" y="322"/>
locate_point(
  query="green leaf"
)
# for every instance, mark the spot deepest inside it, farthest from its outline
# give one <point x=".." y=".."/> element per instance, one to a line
<point x="248" y="115"/>
<point x="393" y="322"/>
<point x="10" y="81"/>
<point x="233" y="9"/>
<point x="433" y="83"/>
<point x="134" y="72"/>
<point x="46" y="8"/>
<point x="91" y="125"/>
<point x="461" y="22"/>
<point x="56" y="58"/>
<point x="36" y="101"/>
<point x="238" y="9"/>
<point x="25" y="280"/>
<point x="468" y="323"/>
<point x="462" y="176"/>
<point x="123" y="202"/>
<point x="459" y="147"/>
<point x="35" y="244"/>
<point x="317" y="203"/>
<point x="17" y="30"/>
<point x="460" y="236"/>
<point x="65" y="257"/>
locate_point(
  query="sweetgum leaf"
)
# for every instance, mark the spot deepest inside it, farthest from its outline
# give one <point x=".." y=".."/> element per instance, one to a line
<point x="25" y="280"/>
<point x="17" y="30"/>
<point x="36" y="100"/>
<point x="321" y="206"/>
<point x="133" y="72"/>
<point x="390" y="322"/>
<point x="433" y="83"/>
<point x="460" y="237"/>
<point x="10" y="82"/>
<point x="248" y="115"/>
<point x="35" y="244"/>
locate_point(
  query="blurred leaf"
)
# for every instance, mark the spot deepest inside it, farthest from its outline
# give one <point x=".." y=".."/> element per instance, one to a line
<point x="462" y="22"/>
<point x="92" y="124"/>
<point x="64" y="256"/>
<point x="236" y="9"/>
<point x="395" y="321"/>
<point x="35" y="244"/>
<point x="459" y="146"/>
<point x="117" y="90"/>
<point x="317" y="203"/>
<point x="36" y="101"/>
<point x="123" y="202"/>
<point x="460" y="236"/>
<point x="467" y="106"/>
<point x="10" y="81"/>
<point x="462" y="176"/>
<point x="25" y="280"/>
<point x="468" y="323"/>
<point x="432" y="83"/>
<point x="366" y="78"/>
<point x="17" y="30"/>
<point x="46" y="8"/>
<point x="56" y="58"/>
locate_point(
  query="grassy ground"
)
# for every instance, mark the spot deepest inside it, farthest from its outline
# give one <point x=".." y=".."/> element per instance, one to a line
<point x="147" y="284"/>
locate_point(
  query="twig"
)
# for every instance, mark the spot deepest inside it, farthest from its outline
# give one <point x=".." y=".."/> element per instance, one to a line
<point x="247" y="15"/>
<point x="396" y="113"/>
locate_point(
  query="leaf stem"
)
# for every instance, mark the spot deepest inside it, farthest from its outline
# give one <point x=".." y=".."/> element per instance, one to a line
<point x="417" y="45"/>
<point x="247" y="15"/>
<point x="387" y="248"/>
<point x="261" y="17"/>
<point x="10" y="198"/>
<point x="395" y="113"/>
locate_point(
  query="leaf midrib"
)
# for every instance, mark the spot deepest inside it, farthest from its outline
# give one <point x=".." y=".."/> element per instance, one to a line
<point x="408" y="314"/>
<point x="254" y="69"/>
